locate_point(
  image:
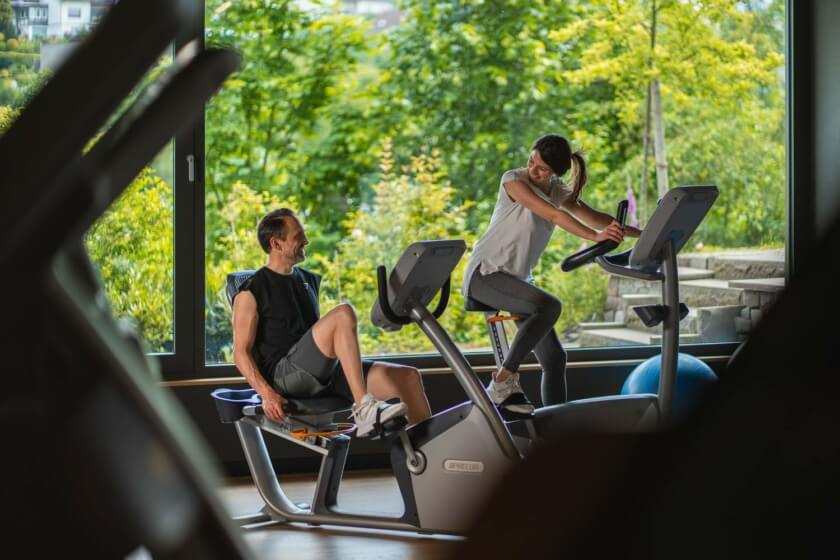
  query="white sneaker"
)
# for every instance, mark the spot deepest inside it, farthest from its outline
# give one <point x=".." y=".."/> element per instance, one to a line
<point x="371" y="415"/>
<point x="509" y="396"/>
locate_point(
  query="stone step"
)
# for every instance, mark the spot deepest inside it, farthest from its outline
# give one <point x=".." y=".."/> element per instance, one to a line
<point x="707" y="292"/>
<point x="760" y="293"/>
<point x="618" y="307"/>
<point x="626" y="337"/>
<point x="711" y="323"/>
<point x="768" y="285"/>
<point x="710" y="292"/>
<point x="731" y="265"/>
<point x="696" y="260"/>
<point x="750" y="265"/>
<point x="620" y="285"/>
<point x="601" y="325"/>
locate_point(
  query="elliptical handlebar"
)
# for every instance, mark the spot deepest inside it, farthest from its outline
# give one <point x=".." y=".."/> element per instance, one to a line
<point x="589" y="254"/>
<point x="385" y="305"/>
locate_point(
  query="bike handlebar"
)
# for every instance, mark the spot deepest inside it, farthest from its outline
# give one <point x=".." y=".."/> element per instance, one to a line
<point x="589" y="254"/>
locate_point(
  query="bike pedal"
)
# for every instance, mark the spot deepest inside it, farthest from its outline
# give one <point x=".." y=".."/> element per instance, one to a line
<point x="389" y="428"/>
<point x="509" y="416"/>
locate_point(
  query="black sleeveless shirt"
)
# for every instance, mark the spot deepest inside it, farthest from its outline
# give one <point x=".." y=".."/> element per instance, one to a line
<point x="288" y="307"/>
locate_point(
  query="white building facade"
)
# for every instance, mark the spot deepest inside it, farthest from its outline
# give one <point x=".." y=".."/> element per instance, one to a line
<point x="57" y="18"/>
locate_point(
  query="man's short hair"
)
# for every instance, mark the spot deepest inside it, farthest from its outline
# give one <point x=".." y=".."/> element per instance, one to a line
<point x="273" y="224"/>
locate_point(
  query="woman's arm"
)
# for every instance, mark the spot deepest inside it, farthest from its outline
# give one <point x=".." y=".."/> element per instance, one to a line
<point x="589" y="215"/>
<point x="521" y="193"/>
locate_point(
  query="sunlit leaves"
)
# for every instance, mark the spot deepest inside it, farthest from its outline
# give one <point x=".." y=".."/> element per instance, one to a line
<point x="132" y="245"/>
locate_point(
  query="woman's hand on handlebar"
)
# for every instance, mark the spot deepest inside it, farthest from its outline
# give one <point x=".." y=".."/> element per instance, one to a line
<point x="272" y="403"/>
<point x="613" y="232"/>
<point x="630" y="231"/>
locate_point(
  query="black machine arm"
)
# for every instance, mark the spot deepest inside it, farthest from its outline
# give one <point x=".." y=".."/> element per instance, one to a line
<point x="585" y="256"/>
<point x="385" y="306"/>
<point x="382" y="291"/>
<point x="444" y="298"/>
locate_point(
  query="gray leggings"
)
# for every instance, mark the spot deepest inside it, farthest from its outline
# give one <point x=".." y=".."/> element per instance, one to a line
<point x="541" y="310"/>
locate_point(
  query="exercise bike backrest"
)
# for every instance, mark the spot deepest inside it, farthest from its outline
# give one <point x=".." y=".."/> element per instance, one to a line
<point x="234" y="283"/>
<point x="589" y="254"/>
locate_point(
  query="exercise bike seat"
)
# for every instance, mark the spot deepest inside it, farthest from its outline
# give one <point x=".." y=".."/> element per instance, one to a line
<point x="471" y="304"/>
<point x="230" y="404"/>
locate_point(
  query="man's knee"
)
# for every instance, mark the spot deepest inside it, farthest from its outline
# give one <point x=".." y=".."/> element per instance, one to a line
<point x="345" y="314"/>
<point x="406" y="376"/>
<point x="414" y="378"/>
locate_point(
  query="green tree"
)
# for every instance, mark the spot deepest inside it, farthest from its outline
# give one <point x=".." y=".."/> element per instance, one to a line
<point x="477" y="80"/>
<point x="696" y="53"/>
<point x="132" y="247"/>
<point x="291" y="121"/>
<point x="7" y="117"/>
<point x="410" y="204"/>
<point x="7" y="19"/>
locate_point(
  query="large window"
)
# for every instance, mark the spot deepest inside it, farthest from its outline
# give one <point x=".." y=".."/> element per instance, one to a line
<point x="384" y="123"/>
<point x="391" y="125"/>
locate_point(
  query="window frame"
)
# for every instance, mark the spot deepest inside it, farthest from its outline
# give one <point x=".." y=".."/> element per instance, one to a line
<point x="188" y="318"/>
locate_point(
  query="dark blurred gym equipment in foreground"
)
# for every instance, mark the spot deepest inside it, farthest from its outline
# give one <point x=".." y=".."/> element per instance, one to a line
<point x="103" y="461"/>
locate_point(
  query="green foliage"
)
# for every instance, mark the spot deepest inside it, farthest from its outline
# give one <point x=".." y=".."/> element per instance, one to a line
<point x="475" y="80"/>
<point x="19" y="83"/>
<point x="292" y="121"/>
<point x="7" y="19"/>
<point x="7" y="117"/>
<point x="410" y="204"/>
<point x="10" y="58"/>
<point x="132" y="247"/>
<point x="719" y="66"/>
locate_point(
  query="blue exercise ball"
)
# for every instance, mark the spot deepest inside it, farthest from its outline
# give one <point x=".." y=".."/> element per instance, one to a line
<point x="694" y="377"/>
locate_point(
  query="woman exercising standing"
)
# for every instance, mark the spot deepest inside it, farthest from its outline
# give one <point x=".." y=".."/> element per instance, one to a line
<point x="532" y="201"/>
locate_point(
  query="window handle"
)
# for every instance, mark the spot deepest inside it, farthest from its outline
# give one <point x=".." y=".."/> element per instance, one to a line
<point x="191" y="168"/>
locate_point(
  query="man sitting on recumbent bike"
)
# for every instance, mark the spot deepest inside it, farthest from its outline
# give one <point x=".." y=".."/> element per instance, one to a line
<point x="284" y="349"/>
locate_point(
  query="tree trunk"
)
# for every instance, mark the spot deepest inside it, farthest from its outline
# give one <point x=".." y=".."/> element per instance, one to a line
<point x="659" y="139"/>
<point x="643" y="190"/>
<point x="643" y="195"/>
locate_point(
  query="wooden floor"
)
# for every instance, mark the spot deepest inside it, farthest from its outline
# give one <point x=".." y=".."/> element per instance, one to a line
<point x="366" y="492"/>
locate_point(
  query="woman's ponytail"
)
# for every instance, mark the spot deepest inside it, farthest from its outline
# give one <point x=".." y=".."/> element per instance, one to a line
<point x="578" y="176"/>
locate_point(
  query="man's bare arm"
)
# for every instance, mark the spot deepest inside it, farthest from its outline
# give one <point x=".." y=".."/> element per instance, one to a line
<point x="245" y="319"/>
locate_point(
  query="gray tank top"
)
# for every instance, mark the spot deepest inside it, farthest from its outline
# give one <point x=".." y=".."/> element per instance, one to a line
<point x="516" y="237"/>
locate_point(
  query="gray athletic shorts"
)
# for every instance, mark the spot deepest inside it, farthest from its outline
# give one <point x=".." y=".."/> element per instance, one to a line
<point x="305" y="372"/>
